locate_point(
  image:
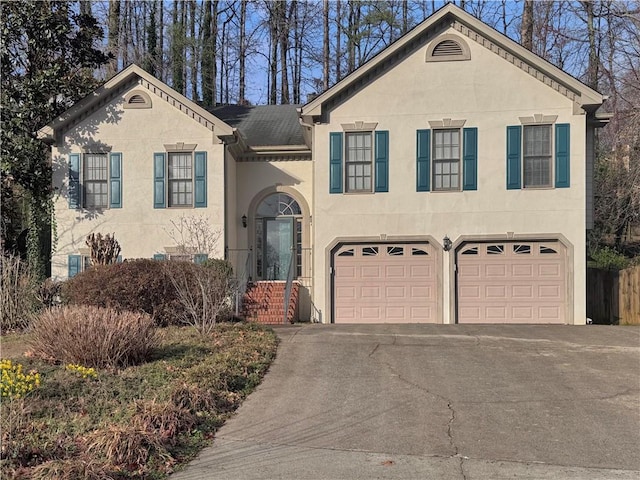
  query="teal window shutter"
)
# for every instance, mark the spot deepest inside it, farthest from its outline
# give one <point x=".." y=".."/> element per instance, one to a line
<point x="158" y="180"/>
<point x="200" y="258"/>
<point x="74" y="180"/>
<point x="335" y="162"/>
<point x="159" y="256"/>
<point x="470" y="158"/>
<point x="382" y="161"/>
<point x="514" y="158"/>
<point x="563" y="167"/>
<point x="115" y="180"/>
<point x="74" y="262"/>
<point x="423" y="160"/>
<point x="200" y="179"/>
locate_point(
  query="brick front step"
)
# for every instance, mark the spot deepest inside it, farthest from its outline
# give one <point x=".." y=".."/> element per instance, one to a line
<point x="264" y="302"/>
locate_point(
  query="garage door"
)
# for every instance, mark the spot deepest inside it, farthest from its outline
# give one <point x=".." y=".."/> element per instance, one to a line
<point x="385" y="283"/>
<point x="511" y="282"/>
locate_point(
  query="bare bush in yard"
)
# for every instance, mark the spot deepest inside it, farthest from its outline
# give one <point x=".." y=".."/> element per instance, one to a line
<point x="70" y="469"/>
<point x="94" y="336"/>
<point x="164" y="419"/>
<point x="18" y="293"/>
<point x="204" y="292"/>
<point x="127" y="446"/>
<point x="104" y="250"/>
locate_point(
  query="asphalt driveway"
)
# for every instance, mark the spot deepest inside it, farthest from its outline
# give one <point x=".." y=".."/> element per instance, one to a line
<point x="438" y="402"/>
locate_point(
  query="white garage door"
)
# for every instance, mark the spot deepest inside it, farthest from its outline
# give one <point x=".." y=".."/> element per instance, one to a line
<point x="511" y="282"/>
<point x="385" y="283"/>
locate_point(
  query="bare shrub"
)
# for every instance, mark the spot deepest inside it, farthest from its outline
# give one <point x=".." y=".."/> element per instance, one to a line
<point x="193" y="398"/>
<point x="70" y="469"/>
<point x="18" y="293"/>
<point x="94" y="336"/>
<point x="204" y="292"/>
<point x="164" y="419"/>
<point x="126" y="445"/>
<point x="104" y="250"/>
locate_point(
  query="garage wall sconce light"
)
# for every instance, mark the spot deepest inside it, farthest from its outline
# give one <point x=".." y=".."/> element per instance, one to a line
<point x="244" y="221"/>
<point x="446" y="243"/>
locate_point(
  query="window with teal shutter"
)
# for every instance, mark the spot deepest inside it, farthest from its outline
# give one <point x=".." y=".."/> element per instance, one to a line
<point x="382" y="161"/>
<point x="335" y="162"/>
<point x="159" y="200"/>
<point x="200" y="187"/>
<point x="514" y="157"/>
<point x="159" y="256"/>
<point x="470" y="159"/>
<point x="74" y="180"/>
<point x="115" y="180"/>
<point x="74" y="265"/>
<point x="423" y="159"/>
<point x="200" y="258"/>
<point x="563" y="179"/>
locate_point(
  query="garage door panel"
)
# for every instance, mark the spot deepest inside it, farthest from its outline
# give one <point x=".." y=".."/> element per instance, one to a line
<point x="387" y="283"/>
<point x="503" y="282"/>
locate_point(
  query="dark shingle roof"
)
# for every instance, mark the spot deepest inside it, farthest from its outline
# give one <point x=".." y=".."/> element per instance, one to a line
<point x="263" y="125"/>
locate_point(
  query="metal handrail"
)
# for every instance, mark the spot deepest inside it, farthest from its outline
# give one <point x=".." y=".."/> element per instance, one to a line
<point x="289" y="284"/>
<point x="242" y="280"/>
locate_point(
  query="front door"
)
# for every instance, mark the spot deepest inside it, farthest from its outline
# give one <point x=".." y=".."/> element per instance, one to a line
<point x="278" y="247"/>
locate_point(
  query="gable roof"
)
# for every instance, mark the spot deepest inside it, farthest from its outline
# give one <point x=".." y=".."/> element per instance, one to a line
<point x="264" y="125"/>
<point x="469" y="26"/>
<point x="115" y="86"/>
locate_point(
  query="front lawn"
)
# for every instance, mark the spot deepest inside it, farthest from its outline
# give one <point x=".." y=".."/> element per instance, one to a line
<point x="136" y="422"/>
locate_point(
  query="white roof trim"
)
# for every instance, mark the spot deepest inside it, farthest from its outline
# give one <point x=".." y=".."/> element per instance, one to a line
<point x="111" y="87"/>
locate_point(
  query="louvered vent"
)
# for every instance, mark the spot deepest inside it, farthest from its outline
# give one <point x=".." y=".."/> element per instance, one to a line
<point x="447" y="48"/>
<point x="137" y="100"/>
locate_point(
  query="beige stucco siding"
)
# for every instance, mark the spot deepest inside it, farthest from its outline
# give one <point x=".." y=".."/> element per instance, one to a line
<point x="140" y="229"/>
<point x="488" y="93"/>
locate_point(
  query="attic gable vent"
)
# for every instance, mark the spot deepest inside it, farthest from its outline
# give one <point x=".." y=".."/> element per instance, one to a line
<point x="137" y="99"/>
<point x="448" y="48"/>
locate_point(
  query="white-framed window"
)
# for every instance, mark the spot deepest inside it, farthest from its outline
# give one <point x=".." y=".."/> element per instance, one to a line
<point x="446" y="159"/>
<point x="537" y="165"/>
<point x="180" y="179"/>
<point x="95" y="179"/>
<point x="359" y="161"/>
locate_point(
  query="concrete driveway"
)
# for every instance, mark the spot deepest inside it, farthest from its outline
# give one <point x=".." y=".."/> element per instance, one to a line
<point x="438" y="402"/>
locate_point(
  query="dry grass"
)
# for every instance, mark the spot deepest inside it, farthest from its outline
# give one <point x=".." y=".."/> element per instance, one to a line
<point x="93" y="336"/>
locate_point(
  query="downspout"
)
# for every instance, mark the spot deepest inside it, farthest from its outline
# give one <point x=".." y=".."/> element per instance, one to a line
<point x="225" y="154"/>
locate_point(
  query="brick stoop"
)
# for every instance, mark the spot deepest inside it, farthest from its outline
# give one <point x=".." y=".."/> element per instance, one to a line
<point x="264" y="302"/>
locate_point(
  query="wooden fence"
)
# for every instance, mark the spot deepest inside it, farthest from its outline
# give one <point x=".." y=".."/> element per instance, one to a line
<point x="614" y="297"/>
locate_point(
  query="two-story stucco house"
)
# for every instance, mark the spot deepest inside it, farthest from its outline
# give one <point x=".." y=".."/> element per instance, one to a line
<point x="447" y="180"/>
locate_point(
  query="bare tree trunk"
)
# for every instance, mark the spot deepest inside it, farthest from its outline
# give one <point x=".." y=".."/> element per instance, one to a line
<point x="325" y="46"/>
<point x="178" y="46"/>
<point x="160" y="51"/>
<point x="592" y="72"/>
<point x="243" y="53"/>
<point x="283" y="34"/>
<point x="151" y="58"/>
<point x="113" y="44"/>
<point x="195" y="50"/>
<point x="273" y="56"/>
<point x="338" y="43"/>
<point x="526" y="29"/>
<point x="208" y="60"/>
<point x="405" y="17"/>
